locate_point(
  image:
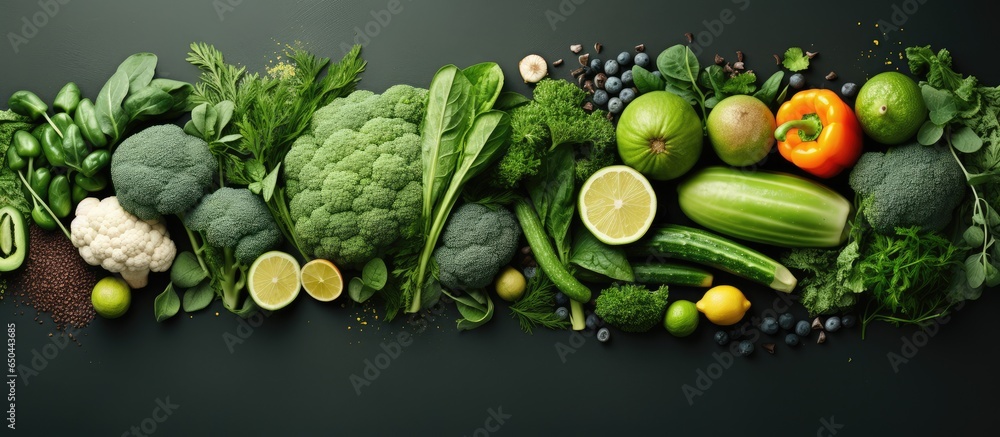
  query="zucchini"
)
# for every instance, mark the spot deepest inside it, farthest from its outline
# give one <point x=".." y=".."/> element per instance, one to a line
<point x="671" y="274"/>
<point x="13" y="239"/>
<point x="546" y="256"/>
<point x="766" y="207"/>
<point x="705" y="248"/>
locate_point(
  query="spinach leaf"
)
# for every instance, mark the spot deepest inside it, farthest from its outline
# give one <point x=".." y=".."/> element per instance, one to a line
<point x="139" y="69"/>
<point x="108" y="106"/>
<point x="147" y="101"/>
<point x="769" y="90"/>
<point x="591" y="254"/>
<point x="678" y="64"/>
<point x="450" y="108"/>
<point x="166" y="304"/>
<point x="551" y="192"/>
<point x="475" y="306"/>
<point x="645" y="81"/>
<point x="198" y="297"/>
<point x="269" y="183"/>
<point x="375" y="274"/>
<point x="358" y="291"/>
<point x="965" y="140"/>
<point x="486" y="140"/>
<point x="509" y="100"/>
<point x="486" y="79"/>
<point x="186" y="272"/>
<point x="929" y="133"/>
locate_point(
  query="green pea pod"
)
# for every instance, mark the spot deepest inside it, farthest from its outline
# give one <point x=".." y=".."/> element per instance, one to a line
<point x="92" y="184"/>
<point x="75" y="150"/>
<point x="14" y="161"/>
<point x="95" y="162"/>
<point x="78" y="193"/>
<point x="42" y="218"/>
<point x="62" y="121"/>
<point x="28" y="104"/>
<point x="52" y="146"/>
<point x="68" y="98"/>
<point x="39" y="181"/>
<point x="60" y="198"/>
<point x="86" y="119"/>
<point x="26" y="145"/>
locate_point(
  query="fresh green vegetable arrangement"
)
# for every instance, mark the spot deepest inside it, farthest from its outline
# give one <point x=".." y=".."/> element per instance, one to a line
<point x="461" y="191"/>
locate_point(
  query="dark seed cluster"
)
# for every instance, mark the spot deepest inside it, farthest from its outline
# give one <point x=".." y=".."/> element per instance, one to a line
<point x="54" y="279"/>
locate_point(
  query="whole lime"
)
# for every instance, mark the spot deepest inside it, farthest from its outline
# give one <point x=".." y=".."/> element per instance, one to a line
<point x="682" y="318"/>
<point x="890" y="108"/>
<point x="741" y="130"/>
<point x="111" y="297"/>
<point x="510" y="284"/>
<point x="660" y="135"/>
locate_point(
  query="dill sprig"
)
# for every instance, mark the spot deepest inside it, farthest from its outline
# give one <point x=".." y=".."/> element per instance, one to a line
<point x="537" y="306"/>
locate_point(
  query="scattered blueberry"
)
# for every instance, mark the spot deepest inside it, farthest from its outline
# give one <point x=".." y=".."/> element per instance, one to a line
<point x="613" y="86"/>
<point x="562" y="313"/>
<point x="530" y="272"/>
<point x="627" y="95"/>
<point x="797" y="81"/>
<point x="657" y="74"/>
<point x="722" y="338"/>
<point x="596" y="66"/>
<point x="786" y="321"/>
<point x="803" y="328"/>
<point x="603" y="335"/>
<point x="592" y="321"/>
<point x="832" y="324"/>
<point x="624" y="58"/>
<point x="615" y="105"/>
<point x="562" y="299"/>
<point x="744" y="348"/>
<point x="769" y="326"/>
<point x="611" y="67"/>
<point x="641" y="59"/>
<point x="848" y="321"/>
<point x="626" y="77"/>
<point x="600" y="97"/>
<point x="850" y="89"/>
<point x="735" y="334"/>
<point x="791" y="339"/>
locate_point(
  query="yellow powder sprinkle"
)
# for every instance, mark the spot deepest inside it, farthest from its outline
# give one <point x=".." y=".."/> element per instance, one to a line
<point x="875" y="41"/>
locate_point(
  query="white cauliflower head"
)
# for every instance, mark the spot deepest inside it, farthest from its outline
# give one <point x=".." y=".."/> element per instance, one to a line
<point x="120" y="242"/>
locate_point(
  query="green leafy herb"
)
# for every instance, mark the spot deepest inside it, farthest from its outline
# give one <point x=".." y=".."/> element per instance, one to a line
<point x="795" y="59"/>
<point x="552" y="193"/>
<point x="187" y="271"/>
<point x="475" y="306"/>
<point x="537" y="307"/>
<point x="373" y="278"/>
<point x="198" y="297"/>
<point x="166" y="304"/>
<point x="595" y="256"/>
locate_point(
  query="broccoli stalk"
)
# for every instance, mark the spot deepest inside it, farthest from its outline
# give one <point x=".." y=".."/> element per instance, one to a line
<point x="228" y="276"/>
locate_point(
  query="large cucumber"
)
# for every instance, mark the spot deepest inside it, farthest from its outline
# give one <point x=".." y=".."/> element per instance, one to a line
<point x="671" y="274"/>
<point x="766" y="207"/>
<point x="701" y="247"/>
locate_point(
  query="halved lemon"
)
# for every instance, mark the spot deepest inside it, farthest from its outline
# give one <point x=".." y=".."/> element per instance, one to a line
<point x="617" y="204"/>
<point x="273" y="280"/>
<point x="322" y="280"/>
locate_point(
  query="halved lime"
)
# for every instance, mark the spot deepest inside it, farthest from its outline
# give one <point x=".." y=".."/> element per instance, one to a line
<point x="273" y="280"/>
<point x="617" y="204"/>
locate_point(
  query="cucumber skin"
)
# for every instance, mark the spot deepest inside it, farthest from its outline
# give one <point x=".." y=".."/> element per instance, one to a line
<point x="546" y="256"/>
<point x="766" y="207"/>
<point x="701" y="247"/>
<point x="671" y="274"/>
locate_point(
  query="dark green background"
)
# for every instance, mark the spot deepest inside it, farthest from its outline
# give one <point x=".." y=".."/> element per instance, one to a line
<point x="291" y="375"/>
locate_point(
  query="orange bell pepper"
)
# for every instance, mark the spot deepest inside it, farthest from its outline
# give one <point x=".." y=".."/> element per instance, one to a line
<point x="818" y="133"/>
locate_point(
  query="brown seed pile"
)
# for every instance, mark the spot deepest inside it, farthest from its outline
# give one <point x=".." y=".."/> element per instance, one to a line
<point x="54" y="279"/>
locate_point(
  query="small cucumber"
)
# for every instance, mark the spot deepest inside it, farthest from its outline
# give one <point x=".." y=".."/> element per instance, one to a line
<point x="702" y="247"/>
<point x="671" y="274"/>
<point x="546" y="256"/>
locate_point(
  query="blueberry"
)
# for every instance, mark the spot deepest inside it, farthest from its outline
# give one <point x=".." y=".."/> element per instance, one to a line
<point x="596" y="65"/>
<point x="627" y="95"/>
<point x="603" y="335"/>
<point x="611" y="67"/>
<point x="562" y="299"/>
<point x="530" y="272"/>
<point x="722" y="338"/>
<point x="735" y="334"/>
<point x="786" y="321"/>
<point x="850" y="89"/>
<point x="803" y="328"/>
<point x="832" y="324"/>
<point x="848" y="321"/>
<point x="624" y="58"/>
<point x="641" y="59"/>
<point x="792" y="340"/>
<point x="797" y="81"/>
<point x="744" y="348"/>
<point x="769" y="326"/>
<point x="592" y="321"/>
<point x="613" y="86"/>
<point x="615" y="105"/>
<point x="657" y="74"/>
<point x="600" y="97"/>
<point x="627" y="78"/>
<point x="562" y="313"/>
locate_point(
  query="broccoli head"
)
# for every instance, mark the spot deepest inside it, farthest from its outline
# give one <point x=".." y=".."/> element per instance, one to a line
<point x="235" y="218"/>
<point x="911" y="185"/>
<point x="161" y="170"/>
<point x="354" y="179"/>
<point x="553" y="118"/>
<point x="632" y="307"/>
<point x="477" y="241"/>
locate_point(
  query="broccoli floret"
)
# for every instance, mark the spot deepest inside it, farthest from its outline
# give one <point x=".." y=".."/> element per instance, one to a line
<point x="477" y="241"/>
<point x="235" y="218"/>
<point x="911" y="185"/>
<point x="354" y="179"/>
<point x="553" y="118"/>
<point x="632" y="307"/>
<point x="161" y="171"/>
